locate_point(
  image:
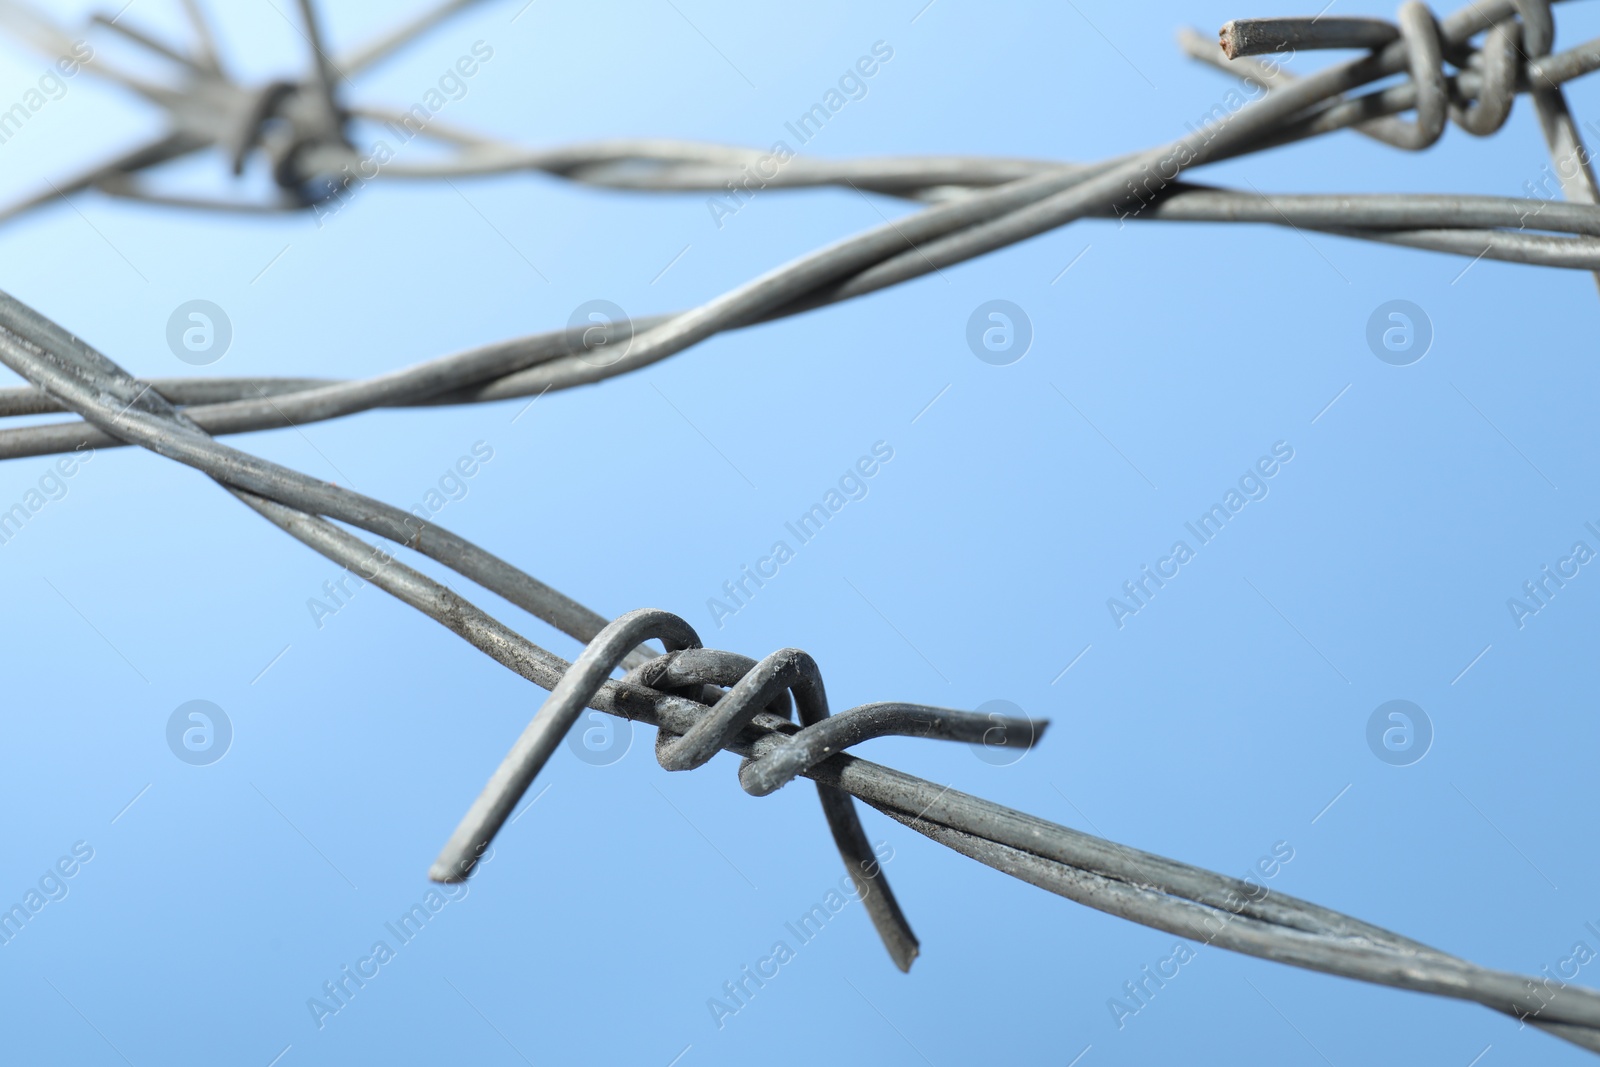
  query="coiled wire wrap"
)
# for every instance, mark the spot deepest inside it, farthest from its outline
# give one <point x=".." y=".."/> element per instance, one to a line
<point x="1140" y="886"/>
<point x="977" y="205"/>
<point x="701" y="700"/>
<point x="754" y="688"/>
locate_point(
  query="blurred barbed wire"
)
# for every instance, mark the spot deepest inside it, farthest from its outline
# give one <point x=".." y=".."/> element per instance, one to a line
<point x="706" y="701"/>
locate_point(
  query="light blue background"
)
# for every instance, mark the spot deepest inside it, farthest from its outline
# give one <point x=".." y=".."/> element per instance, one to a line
<point x="1207" y="729"/>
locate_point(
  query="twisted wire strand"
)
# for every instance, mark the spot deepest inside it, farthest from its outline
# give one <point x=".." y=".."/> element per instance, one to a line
<point x="704" y="701"/>
<point x="208" y="108"/>
<point x="1418" y="45"/>
<point x="1240" y="917"/>
<point x="754" y="686"/>
<point x="1140" y="886"/>
<point x="999" y="202"/>
<point x="1425" y="43"/>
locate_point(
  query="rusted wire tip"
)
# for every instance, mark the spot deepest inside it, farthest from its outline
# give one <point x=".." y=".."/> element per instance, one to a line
<point x="1227" y="37"/>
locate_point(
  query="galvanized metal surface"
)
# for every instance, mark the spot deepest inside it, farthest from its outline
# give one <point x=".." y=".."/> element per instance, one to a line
<point x="706" y="701"/>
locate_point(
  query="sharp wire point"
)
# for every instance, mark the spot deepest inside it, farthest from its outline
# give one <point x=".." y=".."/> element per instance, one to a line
<point x="773" y="712"/>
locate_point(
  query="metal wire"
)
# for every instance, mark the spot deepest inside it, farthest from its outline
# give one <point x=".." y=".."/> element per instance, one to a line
<point x="982" y="204"/>
<point x="706" y="701"/>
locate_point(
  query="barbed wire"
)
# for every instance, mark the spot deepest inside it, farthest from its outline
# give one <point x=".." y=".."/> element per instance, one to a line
<point x="705" y="701"/>
<point x="980" y="205"/>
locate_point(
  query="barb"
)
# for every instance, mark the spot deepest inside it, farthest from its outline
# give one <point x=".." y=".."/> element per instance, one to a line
<point x="1143" y="887"/>
<point x="977" y="205"/>
<point x="706" y="701"/>
<point x="281" y="119"/>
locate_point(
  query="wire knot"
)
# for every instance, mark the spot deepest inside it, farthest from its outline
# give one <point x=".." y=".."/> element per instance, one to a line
<point x="731" y="693"/>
